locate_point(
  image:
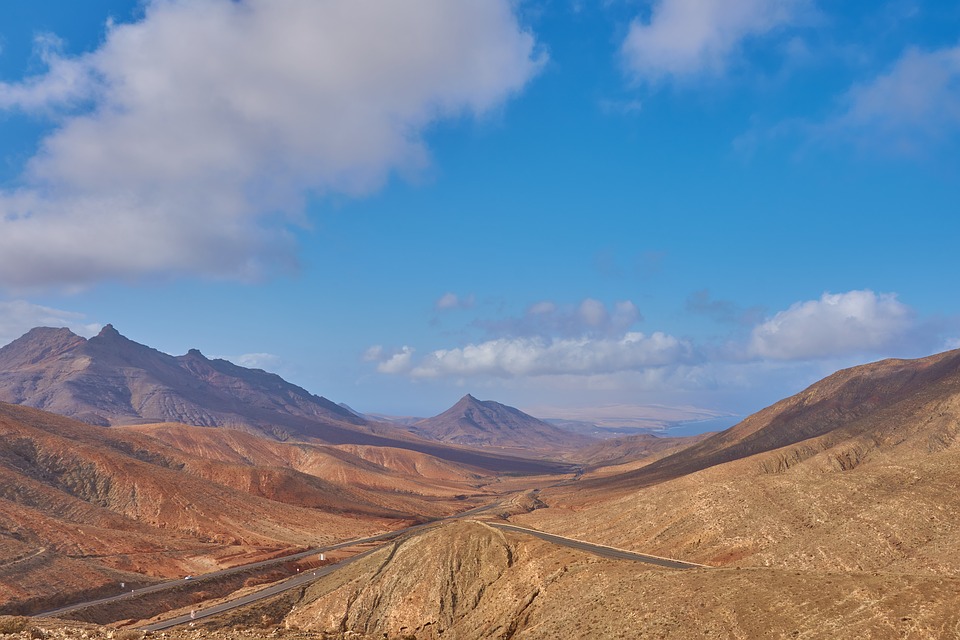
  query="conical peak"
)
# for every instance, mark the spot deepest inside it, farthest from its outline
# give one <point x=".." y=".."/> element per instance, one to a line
<point x="109" y="332"/>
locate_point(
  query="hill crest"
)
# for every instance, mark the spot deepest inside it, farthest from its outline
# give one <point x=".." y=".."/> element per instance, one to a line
<point x="487" y="423"/>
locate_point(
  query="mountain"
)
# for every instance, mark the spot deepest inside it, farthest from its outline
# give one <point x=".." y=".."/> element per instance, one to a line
<point x="83" y="507"/>
<point x="833" y="513"/>
<point x="642" y="447"/>
<point x="856" y="473"/>
<point x="487" y="423"/>
<point x="469" y="580"/>
<point x="888" y="401"/>
<point x="110" y="380"/>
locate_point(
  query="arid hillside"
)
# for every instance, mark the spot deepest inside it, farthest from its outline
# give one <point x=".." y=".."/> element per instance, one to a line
<point x="80" y="505"/>
<point x="836" y="516"/>
<point x="489" y="424"/>
<point x="397" y="480"/>
<point x="872" y="490"/>
<point x="867" y="401"/>
<point x="625" y="450"/>
<point x="468" y="580"/>
<point x="111" y="380"/>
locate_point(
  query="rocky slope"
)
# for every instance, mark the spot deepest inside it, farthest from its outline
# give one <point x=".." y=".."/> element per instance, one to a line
<point x="833" y="513"/>
<point x="111" y="380"/>
<point x="642" y="447"/>
<point x="82" y="506"/>
<point x="485" y="423"/>
<point x="880" y="402"/>
<point x="871" y="490"/>
<point x="467" y="580"/>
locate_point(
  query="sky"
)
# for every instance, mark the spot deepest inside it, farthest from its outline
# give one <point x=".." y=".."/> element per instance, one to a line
<point x="549" y="203"/>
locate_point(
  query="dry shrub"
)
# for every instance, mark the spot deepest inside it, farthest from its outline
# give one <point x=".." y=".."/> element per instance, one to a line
<point x="13" y="624"/>
<point x="128" y="634"/>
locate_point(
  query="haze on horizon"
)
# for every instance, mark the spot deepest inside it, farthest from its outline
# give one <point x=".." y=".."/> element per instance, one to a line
<point x="707" y="204"/>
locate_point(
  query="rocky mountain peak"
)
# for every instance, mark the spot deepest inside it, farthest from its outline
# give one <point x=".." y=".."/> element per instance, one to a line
<point x="109" y="331"/>
<point x="476" y="422"/>
<point x="36" y="345"/>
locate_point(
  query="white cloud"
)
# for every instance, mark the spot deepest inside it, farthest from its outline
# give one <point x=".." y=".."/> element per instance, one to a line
<point x="399" y="362"/>
<point x="65" y="81"/>
<point x="689" y="38"/>
<point x="833" y="326"/>
<point x="915" y="104"/>
<point x="515" y="357"/>
<point x="373" y="354"/>
<point x="189" y="139"/>
<point x="592" y="312"/>
<point x="19" y="316"/>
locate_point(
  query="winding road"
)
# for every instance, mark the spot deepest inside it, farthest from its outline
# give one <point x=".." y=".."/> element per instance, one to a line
<point x="308" y="577"/>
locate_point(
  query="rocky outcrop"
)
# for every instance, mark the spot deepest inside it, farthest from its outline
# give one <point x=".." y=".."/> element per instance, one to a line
<point x="459" y="580"/>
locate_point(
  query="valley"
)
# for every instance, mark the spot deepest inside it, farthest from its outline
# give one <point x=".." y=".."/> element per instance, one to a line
<point x="831" y="512"/>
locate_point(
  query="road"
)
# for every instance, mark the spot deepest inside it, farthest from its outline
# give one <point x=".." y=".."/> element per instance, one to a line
<point x="173" y="584"/>
<point x="308" y="577"/>
<point x="263" y="564"/>
<point x="290" y="583"/>
<point x="601" y="550"/>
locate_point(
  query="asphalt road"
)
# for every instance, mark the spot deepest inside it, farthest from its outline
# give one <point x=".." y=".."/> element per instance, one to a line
<point x="309" y="576"/>
<point x="290" y="583"/>
<point x="173" y="584"/>
<point x="601" y="550"/>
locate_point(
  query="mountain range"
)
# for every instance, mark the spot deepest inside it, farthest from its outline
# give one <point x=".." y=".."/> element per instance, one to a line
<point x="110" y="380"/>
<point x="830" y="513"/>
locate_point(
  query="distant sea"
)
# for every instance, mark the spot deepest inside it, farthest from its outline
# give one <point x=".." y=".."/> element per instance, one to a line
<point x="696" y="427"/>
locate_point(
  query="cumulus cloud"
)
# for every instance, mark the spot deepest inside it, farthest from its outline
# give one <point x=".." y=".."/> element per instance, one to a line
<point x="914" y="104"/>
<point x="589" y="317"/>
<point x="188" y="141"/>
<point x="19" y="316"/>
<point x="690" y="38"/>
<point x="515" y="357"/>
<point x="398" y="362"/>
<point x="835" y="325"/>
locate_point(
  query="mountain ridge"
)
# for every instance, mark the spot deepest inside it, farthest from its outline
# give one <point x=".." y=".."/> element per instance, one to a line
<point x="110" y="380"/>
<point x="487" y="423"/>
<point x="838" y="404"/>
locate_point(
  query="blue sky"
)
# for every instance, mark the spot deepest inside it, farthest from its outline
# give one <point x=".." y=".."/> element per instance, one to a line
<point x="548" y="203"/>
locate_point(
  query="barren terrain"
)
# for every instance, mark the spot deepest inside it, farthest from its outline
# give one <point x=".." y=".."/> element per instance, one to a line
<point x="831" y="513"/>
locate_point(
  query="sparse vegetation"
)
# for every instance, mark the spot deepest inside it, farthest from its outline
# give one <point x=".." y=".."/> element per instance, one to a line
<point x="13" y="624"/>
